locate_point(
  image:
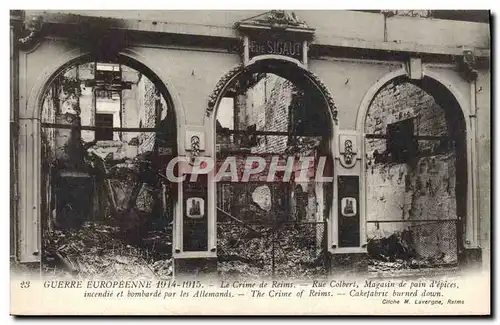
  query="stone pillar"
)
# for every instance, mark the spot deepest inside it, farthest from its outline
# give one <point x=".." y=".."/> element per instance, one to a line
<point x="29" y="234"/>
<point x="472" y="256"/>
<point x="13" y="144"/>
<point x="483" y="112"/>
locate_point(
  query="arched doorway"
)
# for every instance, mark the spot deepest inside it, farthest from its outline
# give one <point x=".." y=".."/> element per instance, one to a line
<point x="416" y="176"/>
<point x="274" y="125"/>
<point x="108" y="129"/>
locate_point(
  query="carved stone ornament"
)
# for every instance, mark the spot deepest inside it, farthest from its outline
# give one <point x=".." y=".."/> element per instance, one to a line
<point x="348" y="151"/>
<point x="239" y="69"/>
<point x="32" y="27"/>
<point x="195" y="148"/>
<point x="466" y="65"/>
<point x="281" y="19"/>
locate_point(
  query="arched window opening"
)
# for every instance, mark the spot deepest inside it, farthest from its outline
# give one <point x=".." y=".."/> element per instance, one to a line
<point x="108" y="131"/>
<point x="272" y="220"/>
<point x="416" y="177"/>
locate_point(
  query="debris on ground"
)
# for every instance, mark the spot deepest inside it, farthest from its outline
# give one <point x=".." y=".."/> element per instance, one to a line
<point x="408" y="268"/>
<point x="246" y="253"/>
<point x="131" y="238"/>
<point x="96" y="250"/>
<point x="395" y="246"/>
<point x="397" y="252"/>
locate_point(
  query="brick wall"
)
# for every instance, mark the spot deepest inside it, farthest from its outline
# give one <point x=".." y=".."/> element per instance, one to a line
<point x="268" y="104"/>
<point x="270" y="111"/>
<point x="423" y="190"/>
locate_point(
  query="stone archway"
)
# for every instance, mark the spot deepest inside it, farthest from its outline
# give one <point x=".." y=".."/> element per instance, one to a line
<point x="29" y="162"/>
<point x="293" y="72"/>
<point x="436" y="115"/>
<point x="226" y="80"/>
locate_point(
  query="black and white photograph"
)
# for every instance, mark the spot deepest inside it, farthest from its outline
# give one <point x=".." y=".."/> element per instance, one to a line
<point x="256" y="162"/>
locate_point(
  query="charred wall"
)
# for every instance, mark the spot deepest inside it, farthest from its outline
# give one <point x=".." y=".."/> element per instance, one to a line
<point x="420" y="188"/>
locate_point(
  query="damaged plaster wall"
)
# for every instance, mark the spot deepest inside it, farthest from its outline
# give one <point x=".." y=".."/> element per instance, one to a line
<point x="412" y="191"/>
<point x="134" y="107"/>
<point x="48" y="152"/>
<point x="66" y="101"/>
<point x="146" y="116"/>
<point x="70" y="101"/>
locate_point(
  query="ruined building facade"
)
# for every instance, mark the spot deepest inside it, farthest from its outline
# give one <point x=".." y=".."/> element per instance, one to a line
<point x="402" y="115"/>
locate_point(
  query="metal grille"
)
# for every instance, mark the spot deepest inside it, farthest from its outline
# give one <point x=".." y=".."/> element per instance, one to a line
<point x="285" y="250"/>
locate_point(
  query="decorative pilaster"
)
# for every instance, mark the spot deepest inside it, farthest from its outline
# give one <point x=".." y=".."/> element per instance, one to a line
<point x="29" y="241"/>
<point x="467" y="65"/>
<point x="472" y="240"/>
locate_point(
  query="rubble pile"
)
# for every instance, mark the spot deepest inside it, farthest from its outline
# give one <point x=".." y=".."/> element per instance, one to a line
<point x="96" y="250"/>
<point x="130" y="238"/>
<point x="247" y="251"/>
<point x="239" y="269"/>
<point x="395" y="246"/>
<point x="397" y="252"/>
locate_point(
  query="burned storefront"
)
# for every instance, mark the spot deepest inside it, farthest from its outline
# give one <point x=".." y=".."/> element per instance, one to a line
<point x="414" y="173"/>
<point x="274" y="221"/>
<point x="107" y="135"/>
<point x="249" y="143"/>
